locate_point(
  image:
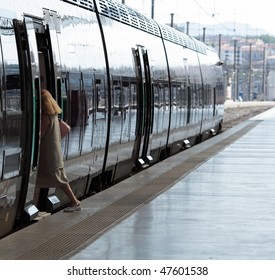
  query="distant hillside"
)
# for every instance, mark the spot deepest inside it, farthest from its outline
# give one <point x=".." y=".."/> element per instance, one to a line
<point x="225" y="28"/>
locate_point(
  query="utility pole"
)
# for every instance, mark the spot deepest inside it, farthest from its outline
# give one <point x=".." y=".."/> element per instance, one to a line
<point x="237" y="71"/>
<point x="250" y="73"/>
<point x="172" y="20"/>
<point x="203" y="36"/>
<point x="187" y="27"/>
<point x="264" y="75"/>
<point x="153" y="9"/>
<point x="234" y="95"/>
<point x="220" y="44"/>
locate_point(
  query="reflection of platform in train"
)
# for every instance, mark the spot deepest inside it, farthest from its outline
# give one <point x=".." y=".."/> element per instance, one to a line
<point x="213" y="201"/>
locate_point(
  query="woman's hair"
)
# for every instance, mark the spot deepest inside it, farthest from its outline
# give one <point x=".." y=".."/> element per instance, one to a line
<point x="49" y="105"/>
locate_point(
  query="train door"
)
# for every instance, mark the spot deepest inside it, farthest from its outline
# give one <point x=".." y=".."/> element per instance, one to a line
<point x="49" y="73"/>
<point x="145" y="106"/>
<point x="43" y="75"/>
<point x="30" y="87"/>
<point x="15" y="133"/>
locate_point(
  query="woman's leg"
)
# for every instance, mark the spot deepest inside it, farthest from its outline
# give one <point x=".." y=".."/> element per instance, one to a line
<point x="68" y="191"/>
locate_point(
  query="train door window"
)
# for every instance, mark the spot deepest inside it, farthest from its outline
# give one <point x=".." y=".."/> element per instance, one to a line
<point x="11" y="102"/>
<point x="43" y="56"/>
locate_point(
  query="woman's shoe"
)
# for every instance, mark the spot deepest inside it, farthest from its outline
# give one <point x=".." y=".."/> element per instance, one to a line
<point x="73" y="208"/>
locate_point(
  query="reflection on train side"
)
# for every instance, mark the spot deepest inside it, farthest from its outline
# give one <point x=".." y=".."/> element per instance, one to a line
<point x="10" y="125"/>
<point x="10" y="105"/>
<point x="84" y="108"/>
<point x="121" y="95"/>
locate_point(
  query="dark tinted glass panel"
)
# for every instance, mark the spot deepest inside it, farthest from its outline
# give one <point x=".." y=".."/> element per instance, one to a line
<point x="10" y="116"/>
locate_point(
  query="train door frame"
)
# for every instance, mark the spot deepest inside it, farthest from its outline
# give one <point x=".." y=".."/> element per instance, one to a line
<point x="33" y="68"/>
<point x="145" y="105"/>
<point x="43" y="77"/>
<point x="30" y="211"/>
<point x="49" y="68"/>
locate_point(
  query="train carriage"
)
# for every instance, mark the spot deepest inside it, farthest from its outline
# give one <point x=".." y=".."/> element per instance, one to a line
<point x="133" y="91"/>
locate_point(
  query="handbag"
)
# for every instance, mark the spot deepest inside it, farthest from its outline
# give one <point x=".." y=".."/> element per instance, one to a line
<point x="64" y="128"/>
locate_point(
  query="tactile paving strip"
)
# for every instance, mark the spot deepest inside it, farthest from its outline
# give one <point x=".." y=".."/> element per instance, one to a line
<point x="64" y="244"/>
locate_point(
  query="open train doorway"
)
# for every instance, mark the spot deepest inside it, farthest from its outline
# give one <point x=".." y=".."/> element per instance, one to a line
<point x="50" y="79"/>
<point x="43" y="75"/>
<point x="45" y="71"/>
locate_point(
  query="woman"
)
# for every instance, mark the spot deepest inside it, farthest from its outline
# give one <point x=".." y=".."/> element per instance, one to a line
<point x="51" y="166"/>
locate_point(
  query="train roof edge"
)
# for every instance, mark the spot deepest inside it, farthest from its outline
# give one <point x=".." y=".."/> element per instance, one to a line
<point x="129" y="16"/>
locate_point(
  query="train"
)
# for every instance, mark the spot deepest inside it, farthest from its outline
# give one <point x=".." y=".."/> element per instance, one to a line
<point x="133" y="91"/>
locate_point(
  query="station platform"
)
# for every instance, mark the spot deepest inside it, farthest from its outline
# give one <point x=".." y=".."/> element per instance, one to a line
<point x="214" y="201"/>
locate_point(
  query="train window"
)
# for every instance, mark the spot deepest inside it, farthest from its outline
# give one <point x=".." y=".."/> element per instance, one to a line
<point x="133" y="112"/>
<point x="11" y="111"/>
<point x="157" y="105"/>
<point x="126" y="111"/>
<point x="81" y="101"/>
<point x="117" y="110"/>
<point x="123" y="109"/>
<point x="161" y="110"/>
<point x="166" y="107"/>
<point x="70" y="99"/>
<point x="196" y="98"/>
<point x="181" y="106"/>
<point x="64" y="99"/>
<point x="176" y="108"/>
<point x="87" y="96"/>
<point x="214" y="102"/>
<point x="189" y="104"/>
<point x="98" y="112"/>
<point x="100" y="97"/>
<point x="184" y="100"/>
<point x="11" y="163"/>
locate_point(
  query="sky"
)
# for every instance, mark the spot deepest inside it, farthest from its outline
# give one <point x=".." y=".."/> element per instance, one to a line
<point x="256" y="14"/>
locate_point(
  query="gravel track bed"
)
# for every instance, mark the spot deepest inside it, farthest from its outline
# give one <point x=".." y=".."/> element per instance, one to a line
<point x="237" y="112"/>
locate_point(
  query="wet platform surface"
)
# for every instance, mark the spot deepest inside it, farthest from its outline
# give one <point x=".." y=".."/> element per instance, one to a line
<point x="213" y="201"/>
<point x="224" y="209"/>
